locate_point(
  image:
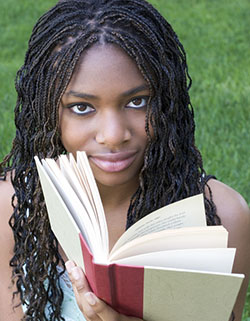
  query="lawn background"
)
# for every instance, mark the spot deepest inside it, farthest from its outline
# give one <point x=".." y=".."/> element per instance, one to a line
<point x="216" y="37"/>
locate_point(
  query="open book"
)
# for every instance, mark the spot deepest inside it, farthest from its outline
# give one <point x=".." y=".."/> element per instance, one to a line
<point x="168" y="266"/>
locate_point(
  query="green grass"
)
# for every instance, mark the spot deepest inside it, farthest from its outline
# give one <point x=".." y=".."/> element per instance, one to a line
<point x="16" y="22"/>
<point x="215" y="35"/>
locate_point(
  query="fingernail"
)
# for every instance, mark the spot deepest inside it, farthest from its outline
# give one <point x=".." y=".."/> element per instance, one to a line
<point x="69" y="266"/>
<point x="91" y="298"/>
<point x="75" y="273"/>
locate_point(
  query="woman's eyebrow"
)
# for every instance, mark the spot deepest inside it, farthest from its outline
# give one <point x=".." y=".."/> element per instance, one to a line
<point x="135" y="90"/>
<point x="127" y="93"/>
<point x="80" y="94"/>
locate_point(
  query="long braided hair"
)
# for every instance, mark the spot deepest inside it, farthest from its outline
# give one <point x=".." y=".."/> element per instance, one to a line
<point x="173" y="166"/>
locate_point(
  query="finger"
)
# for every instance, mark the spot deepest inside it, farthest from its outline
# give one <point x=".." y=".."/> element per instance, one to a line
<point x="80" y="286"/>
<point x="104" y="311"/>
<point x="77" y="277"/>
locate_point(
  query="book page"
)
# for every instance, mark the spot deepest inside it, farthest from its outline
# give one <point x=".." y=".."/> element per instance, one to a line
<point x="83" y="181"/>
<point x="183" y="238"/>
<point x="184" y="213"/>
<point x="87" y="174"/>
<point x="181" y="295"/>
<point x="72" y="175"/>
<point x="210" y="260"/>
<point x="74" y="205"/>
<point x="61" y="221"/>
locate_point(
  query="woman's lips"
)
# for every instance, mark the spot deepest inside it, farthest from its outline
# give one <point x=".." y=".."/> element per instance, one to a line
<point x="113" y="162"/>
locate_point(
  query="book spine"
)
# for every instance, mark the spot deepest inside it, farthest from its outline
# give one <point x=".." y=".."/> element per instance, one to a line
<point x="104" y="283"/>
<point x="120" y="286"/>
<point x="128" y="282"/>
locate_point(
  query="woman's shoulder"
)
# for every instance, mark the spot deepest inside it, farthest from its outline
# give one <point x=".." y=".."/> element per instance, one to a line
<point x="232" y="208"/>
<point x="6" y="210"/>
<point x="7" y="246"/>
<point x="6" y="193"/>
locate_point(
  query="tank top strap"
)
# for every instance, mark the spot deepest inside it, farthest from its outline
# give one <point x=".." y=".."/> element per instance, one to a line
<point x="206" y="178"/>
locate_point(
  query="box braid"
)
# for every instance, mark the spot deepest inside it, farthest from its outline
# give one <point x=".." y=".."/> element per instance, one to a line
<point x="173" y="166"/>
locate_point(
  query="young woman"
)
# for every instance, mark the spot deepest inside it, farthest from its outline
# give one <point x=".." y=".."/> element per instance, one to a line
<point x="108" y="77"/>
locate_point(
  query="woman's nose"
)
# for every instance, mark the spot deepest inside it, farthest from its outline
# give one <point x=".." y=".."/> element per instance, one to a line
<point x="113" y="129"/>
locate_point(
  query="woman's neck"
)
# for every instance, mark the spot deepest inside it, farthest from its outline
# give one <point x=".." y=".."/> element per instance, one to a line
<point x="116" y="201"/>
<point x="115" y="196"/>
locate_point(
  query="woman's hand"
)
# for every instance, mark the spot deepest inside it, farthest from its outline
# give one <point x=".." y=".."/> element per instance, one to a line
<point x="92" y="308"/>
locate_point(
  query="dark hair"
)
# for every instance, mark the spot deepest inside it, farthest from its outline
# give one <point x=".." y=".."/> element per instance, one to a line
<point x="173" y="166"/>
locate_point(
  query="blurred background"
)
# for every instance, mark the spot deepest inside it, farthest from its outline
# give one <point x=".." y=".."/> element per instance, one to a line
<point x="216" y="37"/>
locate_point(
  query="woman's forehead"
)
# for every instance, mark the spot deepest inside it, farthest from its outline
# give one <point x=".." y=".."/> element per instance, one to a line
<point x="105" y="66"/>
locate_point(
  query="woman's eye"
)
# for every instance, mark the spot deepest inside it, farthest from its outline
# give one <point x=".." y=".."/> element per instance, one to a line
<point x="81" y="109"/>
<point x="139" y="102"/>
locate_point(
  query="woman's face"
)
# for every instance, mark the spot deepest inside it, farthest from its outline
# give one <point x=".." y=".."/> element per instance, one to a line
<point x="103" y="112"/>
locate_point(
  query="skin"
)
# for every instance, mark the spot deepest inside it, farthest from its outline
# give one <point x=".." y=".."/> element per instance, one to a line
<point x="114" y="125"/>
